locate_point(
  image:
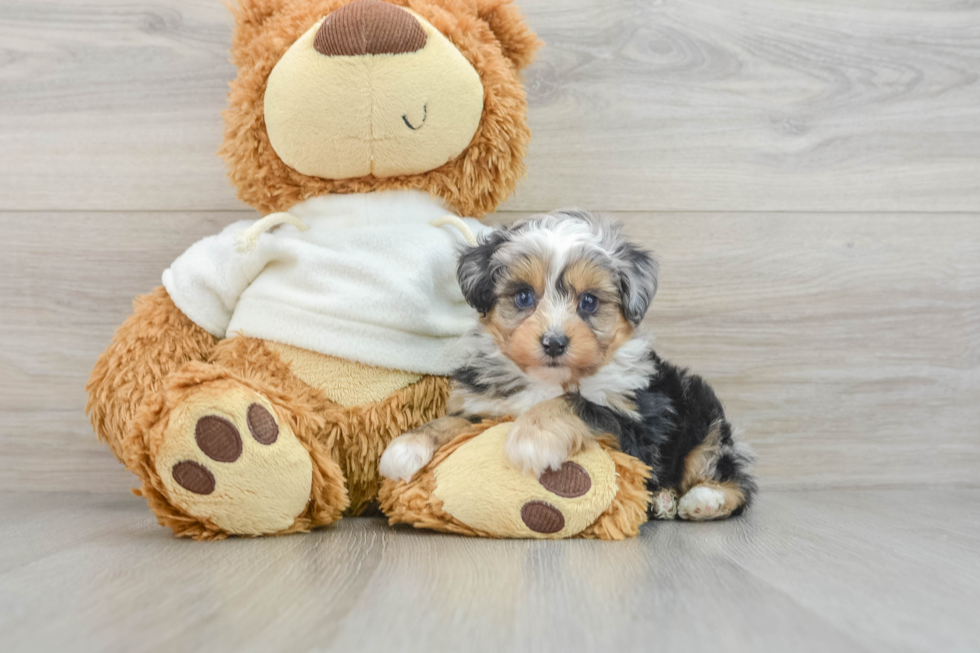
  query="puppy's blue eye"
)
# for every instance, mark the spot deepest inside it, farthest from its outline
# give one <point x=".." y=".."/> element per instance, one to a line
<point x="524" y="298"/>
<point x="588" y="303"/>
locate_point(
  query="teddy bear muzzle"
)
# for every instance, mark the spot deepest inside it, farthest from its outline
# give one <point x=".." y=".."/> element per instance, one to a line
<point x="369" y="27"/>
<point x="372" y="89"/>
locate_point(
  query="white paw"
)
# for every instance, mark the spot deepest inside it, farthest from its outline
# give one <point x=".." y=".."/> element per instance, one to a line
<point x="534" y="451"/>
<point x="405" y="456"/>
<point x="664" y="504"/>
<point x="701" y="502"/>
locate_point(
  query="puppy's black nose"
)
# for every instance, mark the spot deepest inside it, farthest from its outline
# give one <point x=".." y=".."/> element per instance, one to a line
<point x="554" y="345"/>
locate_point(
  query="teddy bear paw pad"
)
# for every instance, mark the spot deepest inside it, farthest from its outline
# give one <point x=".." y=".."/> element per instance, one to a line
<point x="229" y="461"/>
<point x="542" y="517"/>
<point x="218" y="439"/>
<point x="570" y="481"/>
<point x="193" y="477"/>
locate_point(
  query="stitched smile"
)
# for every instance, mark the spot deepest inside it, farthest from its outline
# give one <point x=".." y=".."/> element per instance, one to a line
<point x="425" y="114"/>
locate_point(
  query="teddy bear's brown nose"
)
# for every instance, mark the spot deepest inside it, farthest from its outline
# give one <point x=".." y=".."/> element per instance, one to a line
<point x="369" y="27"/>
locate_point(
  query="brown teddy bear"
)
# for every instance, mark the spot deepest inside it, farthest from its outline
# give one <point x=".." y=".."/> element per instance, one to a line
<point x="255" y="391"/>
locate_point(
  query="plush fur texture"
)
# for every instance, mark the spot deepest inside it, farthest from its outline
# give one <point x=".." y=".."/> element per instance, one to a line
<point x="491" y="35"/>
<point x="343" y="381"/>
<point x="153" y="342"/>
<point x="328" y="497"/>
<point x="345" y="443"/>
<point x="354" y="436"/>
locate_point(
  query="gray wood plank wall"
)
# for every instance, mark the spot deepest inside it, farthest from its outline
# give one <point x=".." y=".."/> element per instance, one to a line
<point x="809" y="173"/>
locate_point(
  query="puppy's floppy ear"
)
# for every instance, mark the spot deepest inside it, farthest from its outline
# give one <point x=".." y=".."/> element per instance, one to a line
<point x="638" y="279"/>
<point x="477" y="272"/>
<point x="516" y="39"/>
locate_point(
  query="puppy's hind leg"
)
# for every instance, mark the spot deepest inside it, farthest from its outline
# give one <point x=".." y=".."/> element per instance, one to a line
<point x="716" y="483"/>
<point x="663" y="505"/>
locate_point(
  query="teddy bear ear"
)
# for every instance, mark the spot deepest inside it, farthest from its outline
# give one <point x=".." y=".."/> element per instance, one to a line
<point x="507" y="22"/>
<point x="251" y="14"/>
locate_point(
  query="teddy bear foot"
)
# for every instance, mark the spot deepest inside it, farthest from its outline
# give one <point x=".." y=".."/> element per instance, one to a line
<point x="471" y="488"/>
<point x="225" y="462"/>
<point x="230" y="462"/>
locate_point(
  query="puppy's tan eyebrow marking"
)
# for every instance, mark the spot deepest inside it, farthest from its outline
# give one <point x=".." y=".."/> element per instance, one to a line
<point x="582" y="276"/>
<point x="527" y="271"/>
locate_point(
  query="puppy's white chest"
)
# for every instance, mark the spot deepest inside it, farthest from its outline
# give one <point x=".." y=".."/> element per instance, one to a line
<point x="515" y="404"/>
<point x="535" y="394"/>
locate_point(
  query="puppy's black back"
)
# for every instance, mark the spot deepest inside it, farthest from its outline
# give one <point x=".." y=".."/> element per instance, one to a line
<point x="678" y="412"/>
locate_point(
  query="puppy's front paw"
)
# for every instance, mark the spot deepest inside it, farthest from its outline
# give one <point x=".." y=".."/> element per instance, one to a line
<point x="534" y="449"/>
<point x="405" y="455"/>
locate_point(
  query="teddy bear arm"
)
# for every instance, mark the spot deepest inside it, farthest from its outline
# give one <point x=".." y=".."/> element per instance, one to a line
<point x="153" y="342"/>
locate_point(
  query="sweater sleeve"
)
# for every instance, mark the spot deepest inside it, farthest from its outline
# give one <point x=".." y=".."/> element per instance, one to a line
<point x="206" y="281"/>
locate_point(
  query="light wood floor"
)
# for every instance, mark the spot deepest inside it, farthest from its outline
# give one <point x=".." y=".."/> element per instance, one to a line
<point x="808" y="172"/>
<point x="834" y="570"/>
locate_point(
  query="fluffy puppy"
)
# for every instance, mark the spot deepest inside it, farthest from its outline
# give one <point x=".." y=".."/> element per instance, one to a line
<point x="560" y="296"/>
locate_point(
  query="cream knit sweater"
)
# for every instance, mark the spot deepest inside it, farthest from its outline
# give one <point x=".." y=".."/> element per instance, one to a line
<point x="370" y="280"/>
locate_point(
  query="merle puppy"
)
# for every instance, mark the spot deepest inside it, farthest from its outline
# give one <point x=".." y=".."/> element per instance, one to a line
<point x="560" y="297"/>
